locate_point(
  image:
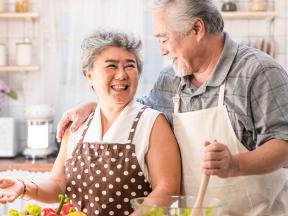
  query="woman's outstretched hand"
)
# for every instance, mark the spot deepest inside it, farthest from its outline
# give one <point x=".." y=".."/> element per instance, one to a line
<point x="10" y="190"/>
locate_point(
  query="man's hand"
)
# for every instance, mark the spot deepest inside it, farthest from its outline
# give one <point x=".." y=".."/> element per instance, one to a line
<point x="75" y="116"/>
<point x="218" y="160"/>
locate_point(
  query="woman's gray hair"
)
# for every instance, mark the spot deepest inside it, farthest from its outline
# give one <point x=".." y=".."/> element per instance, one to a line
<point x="102" y="39"/>
<point x="182" y="14"/>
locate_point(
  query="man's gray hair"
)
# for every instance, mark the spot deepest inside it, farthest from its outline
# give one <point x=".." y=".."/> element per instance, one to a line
<point x="182" y="14"/>
<point x="102" y="39"/>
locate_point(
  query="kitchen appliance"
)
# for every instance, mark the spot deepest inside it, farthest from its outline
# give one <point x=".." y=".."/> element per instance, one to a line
<point x="8" y="145"/>
<point x="40" y="135"/>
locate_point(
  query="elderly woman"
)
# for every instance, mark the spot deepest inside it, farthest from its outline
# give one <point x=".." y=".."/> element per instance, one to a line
<point x="123" y="151"/>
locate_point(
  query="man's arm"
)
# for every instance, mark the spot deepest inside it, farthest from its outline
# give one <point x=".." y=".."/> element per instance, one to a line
<point x="267" y="158"/>
<point x="75" y="116"/>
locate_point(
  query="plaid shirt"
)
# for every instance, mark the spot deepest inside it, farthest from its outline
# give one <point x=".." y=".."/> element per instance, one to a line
<point x="256" y="94"/>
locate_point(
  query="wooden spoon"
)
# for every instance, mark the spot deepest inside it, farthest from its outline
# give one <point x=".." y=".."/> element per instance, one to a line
<point x="197" y="208"/>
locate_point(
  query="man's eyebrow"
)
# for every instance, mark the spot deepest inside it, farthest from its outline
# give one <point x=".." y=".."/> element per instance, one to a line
<point x="159" y="35"/>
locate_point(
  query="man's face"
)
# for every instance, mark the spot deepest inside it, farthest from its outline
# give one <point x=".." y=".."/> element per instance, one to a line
<point x="173" y="45"/>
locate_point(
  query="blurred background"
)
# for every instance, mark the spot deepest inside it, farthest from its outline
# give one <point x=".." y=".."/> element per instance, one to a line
<point x="42" y="47"/>
<point x="40" y="60"/>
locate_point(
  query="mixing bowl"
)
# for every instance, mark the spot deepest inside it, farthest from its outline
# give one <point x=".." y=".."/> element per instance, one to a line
<point x="175" y="206"/>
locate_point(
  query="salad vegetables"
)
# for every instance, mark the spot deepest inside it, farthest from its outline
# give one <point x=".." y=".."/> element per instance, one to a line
<point x="159" y="211"/>
<point x="64" y="209"/>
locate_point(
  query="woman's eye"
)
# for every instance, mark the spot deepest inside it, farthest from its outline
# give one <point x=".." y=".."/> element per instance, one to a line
<point x="111" y="66"/>
<point x="130" y="66"/>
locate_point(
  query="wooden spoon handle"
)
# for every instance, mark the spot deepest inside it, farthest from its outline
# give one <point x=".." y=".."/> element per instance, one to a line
<point x="202" y="190"/>
<point x="196" y="211"/>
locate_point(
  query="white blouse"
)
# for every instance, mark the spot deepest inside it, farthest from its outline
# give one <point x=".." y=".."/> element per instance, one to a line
<point x="119" y="131"/>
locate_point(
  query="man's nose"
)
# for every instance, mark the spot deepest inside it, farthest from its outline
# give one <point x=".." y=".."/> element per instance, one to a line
<point x="163" y="50"/>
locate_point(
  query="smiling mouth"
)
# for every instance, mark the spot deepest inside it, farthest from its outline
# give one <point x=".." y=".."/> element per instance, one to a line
<point x="119" y="87"/>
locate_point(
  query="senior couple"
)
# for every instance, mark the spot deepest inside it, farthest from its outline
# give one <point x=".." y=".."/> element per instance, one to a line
<point x="227" y="105"/>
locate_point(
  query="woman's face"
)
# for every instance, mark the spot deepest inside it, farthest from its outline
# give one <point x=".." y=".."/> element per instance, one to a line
<point x="114" y="76"/>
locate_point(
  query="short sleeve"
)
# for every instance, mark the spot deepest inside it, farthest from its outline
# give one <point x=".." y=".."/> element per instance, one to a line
<point x="269" y="104"/>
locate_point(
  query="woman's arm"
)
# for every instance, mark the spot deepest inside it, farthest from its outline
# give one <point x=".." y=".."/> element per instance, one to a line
<point x="48" y="190"/>
<point x="163" y="160"/>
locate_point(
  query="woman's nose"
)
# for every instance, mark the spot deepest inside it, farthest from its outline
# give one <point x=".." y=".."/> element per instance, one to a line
<point x="121" y="74"/>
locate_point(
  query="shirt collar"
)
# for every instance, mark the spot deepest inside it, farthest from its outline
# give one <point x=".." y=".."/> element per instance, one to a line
<point x="222" y="67"/>
<point x="224" y="63"/>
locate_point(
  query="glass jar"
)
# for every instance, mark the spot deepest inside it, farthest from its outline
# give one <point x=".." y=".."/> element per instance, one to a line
<point x="2" y="6"/>
<point x="229" y="5"/>
<point x="258" y="5"/>
<point x="24" y="53"/>
<point x="3" y="55"/>
<point x="22" y="6"/>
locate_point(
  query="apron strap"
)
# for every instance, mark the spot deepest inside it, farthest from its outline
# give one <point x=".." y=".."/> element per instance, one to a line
<point x="88" y="122"/>
<point x="221" y="94"/>
<point x="176" y="99"/>
<point x="135" y="123"/>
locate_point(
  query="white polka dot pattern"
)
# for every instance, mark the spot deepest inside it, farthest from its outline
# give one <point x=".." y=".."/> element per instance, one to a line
<point x="103" y="178"/>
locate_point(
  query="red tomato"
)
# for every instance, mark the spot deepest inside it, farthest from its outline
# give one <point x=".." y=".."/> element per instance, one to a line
<point x="67" y="207"/>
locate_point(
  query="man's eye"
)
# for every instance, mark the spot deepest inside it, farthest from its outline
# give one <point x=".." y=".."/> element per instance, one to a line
<point x="163" y="40"/>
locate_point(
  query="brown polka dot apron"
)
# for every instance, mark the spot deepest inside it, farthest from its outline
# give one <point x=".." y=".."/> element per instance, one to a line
<point x="102" y="178"/>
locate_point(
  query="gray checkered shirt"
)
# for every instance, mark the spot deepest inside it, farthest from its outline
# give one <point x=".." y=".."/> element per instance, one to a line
<point x="256" y="94"/>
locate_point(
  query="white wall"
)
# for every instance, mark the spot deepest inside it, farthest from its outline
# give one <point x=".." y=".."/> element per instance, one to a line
<point x="43" y="86"/>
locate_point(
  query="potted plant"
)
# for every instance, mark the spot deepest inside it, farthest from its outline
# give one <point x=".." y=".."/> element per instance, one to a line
<point x="5" y="91"/>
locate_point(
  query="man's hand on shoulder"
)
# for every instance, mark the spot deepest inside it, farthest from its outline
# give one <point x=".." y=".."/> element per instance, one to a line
<point x="74" y="116"/>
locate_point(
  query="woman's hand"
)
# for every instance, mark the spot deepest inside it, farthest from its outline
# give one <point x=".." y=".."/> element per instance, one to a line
<point x="76" y="116"/>
<point x="10" y="190"/>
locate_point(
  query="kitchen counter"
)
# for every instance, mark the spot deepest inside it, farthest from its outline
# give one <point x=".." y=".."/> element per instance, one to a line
<point x="20" y="163"/>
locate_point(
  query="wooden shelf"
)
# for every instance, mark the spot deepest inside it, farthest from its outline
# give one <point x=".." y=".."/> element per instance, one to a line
<point x="13" y="15"/>
<point x="249" y="15"/>
<point x="19" y="68"/>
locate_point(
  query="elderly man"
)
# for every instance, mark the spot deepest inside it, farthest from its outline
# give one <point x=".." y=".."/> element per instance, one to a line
<point x="228" y="104"/>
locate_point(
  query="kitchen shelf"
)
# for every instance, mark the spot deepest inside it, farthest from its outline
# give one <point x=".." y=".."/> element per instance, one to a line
<point x="12" y="15"/>
<point x="19" y="68"/>
<point x="249" y="15"/>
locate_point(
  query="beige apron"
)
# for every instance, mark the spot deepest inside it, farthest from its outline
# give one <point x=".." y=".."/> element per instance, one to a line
<point x="246" y="195"/>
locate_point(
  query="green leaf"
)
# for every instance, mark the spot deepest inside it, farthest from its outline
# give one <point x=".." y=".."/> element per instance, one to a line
<point x="12" y="94"/>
